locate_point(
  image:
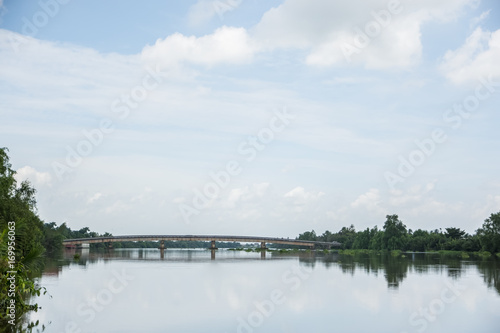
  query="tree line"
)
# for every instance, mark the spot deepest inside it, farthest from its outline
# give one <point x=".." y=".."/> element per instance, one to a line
<point x="394" y="235"/>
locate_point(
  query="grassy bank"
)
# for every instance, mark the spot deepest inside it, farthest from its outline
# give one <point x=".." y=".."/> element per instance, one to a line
<point x="397" y="253"/>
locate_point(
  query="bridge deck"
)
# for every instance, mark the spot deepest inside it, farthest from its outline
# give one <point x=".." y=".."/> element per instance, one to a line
<point x="222" y="238"/>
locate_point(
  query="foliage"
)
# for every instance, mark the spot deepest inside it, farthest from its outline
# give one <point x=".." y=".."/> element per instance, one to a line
<point x="21" y="239"/>
<point x="489" y="234"/>
<point x="396" y="236"/>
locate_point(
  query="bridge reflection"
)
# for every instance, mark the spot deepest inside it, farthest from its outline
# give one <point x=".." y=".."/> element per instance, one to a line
<point x="394" y="269"/>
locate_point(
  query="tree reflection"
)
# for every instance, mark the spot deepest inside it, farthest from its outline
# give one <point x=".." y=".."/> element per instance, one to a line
<point x="396" y="267"/>
<point x="490" y="271"/>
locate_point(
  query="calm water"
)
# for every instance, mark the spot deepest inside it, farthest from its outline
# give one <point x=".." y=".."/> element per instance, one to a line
<point x="190" y="291"/>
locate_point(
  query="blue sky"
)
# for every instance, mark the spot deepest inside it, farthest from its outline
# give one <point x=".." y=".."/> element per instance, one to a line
<point x="330" y="113"/>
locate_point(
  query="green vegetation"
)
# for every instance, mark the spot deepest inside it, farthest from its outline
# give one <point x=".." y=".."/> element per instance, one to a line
<point x="483" y="254"/>
<point x="395" y="236"/>
<point x="21" y="245"/>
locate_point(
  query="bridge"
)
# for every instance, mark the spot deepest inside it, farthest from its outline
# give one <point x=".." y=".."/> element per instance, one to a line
<point x="211" y="238"/>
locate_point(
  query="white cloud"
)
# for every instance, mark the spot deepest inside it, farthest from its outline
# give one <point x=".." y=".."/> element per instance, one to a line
<point x="370" y="200"/>
<point x="300" y="196"/>
<point x="476" y="58"/>
<point x="488" y="206"/>
<point x="204" y="10"/>
<point x="246" y="194"/>
<point x="37" y="178"/>
<point x="324" y="27"/>
<point x="227" y="45"/>
<point x="94" y="198"/>
<point x="116" y="208"/>
<point x="476" y="20"/>
<point x="145" y="195"/>
<point x="201" y="12"/>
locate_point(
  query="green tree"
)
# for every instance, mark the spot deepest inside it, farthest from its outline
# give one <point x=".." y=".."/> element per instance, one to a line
<point x="489" y="234"/>
<point x="346" y="236"/>
<point x="327" y="236"/>
<point x="52" y="237"/>
<point x="454" y="233"/>
<point x="377" y="240"/>
<point x="363" y="239"/>
<point x="308" y="235"/>
<point x="395" y="234"/>
<point x="21" y="238"/>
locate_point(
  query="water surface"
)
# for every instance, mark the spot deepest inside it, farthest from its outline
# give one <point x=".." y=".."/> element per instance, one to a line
<point x="136" y="290"/>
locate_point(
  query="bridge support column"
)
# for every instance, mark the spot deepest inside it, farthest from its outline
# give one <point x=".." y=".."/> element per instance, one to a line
<point x="213" y="246"/>
<point x="162" y="245"/>
<point x="212" y="254"/>
<point x="263" y="246"/>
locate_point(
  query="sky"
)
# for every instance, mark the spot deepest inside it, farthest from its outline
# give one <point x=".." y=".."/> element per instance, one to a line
<point x="251" y="117"/>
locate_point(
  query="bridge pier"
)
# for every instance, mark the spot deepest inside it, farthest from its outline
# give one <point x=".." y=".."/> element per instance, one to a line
<point x="212" y="254"/>
<point x="263" y="246"/>
<point x="212" y="245"/>
<point x="162" y="245"/>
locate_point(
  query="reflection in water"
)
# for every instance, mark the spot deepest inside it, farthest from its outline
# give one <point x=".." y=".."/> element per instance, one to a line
<point x="183" y="290"/>
<point x="394" y="268"/>
<point x="490" y="270"/>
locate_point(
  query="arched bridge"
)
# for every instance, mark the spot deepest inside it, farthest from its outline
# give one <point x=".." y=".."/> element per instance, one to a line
<point x="210" y="238"/>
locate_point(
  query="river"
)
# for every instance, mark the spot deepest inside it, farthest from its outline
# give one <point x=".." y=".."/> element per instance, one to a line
<point x="139" y="290"/>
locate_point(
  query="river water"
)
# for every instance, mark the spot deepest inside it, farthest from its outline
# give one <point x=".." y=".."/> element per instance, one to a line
<point x="139" y="290"/>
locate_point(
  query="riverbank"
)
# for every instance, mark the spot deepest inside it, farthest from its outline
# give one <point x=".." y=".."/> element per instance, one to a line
<point x="397" y="253"/>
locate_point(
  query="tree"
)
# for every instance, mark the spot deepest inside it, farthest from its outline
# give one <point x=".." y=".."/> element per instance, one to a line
<point x="308" y="235"/>
<point x="455" y="233"/>
<point x="327" y="236"/>
<point x="489" y="234"/>
<point x="363" y="238"/>
<point x="53" y="237"/>
<point x="346" y="236"/>
<point x="377" y="239"/>
<point x="21" y="238"/>
<point x="395" y="234"/>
